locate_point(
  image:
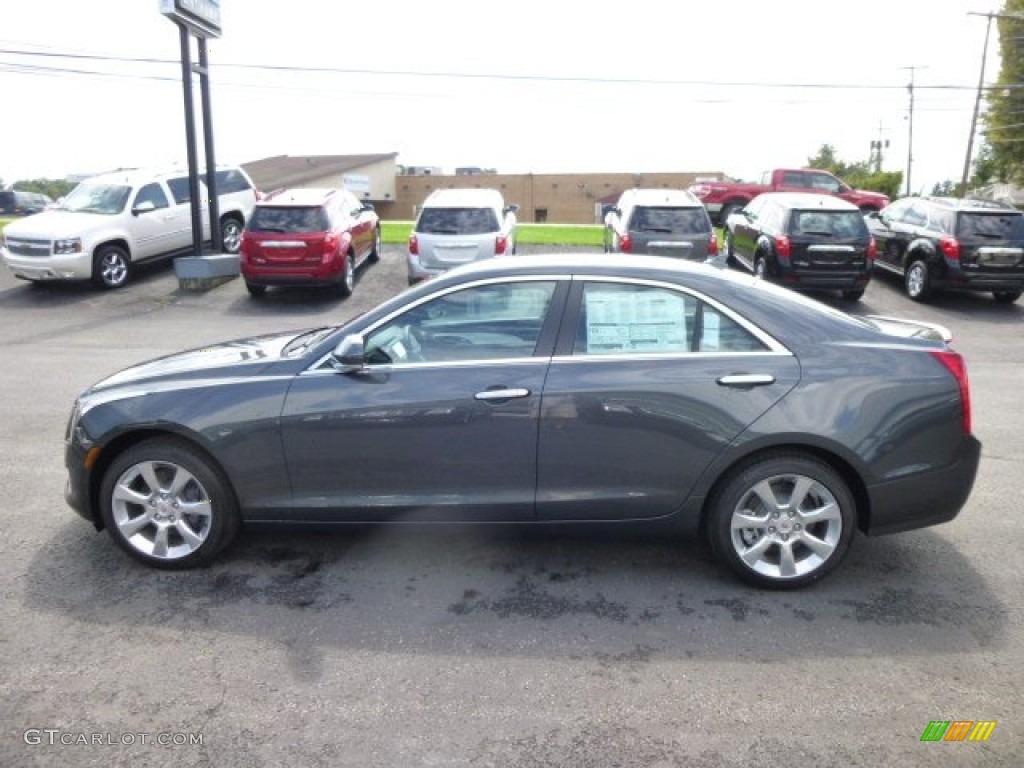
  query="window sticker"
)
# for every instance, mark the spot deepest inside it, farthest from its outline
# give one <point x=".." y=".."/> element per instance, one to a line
<point x="650" y="321"/>
<point x="709" y="340"/>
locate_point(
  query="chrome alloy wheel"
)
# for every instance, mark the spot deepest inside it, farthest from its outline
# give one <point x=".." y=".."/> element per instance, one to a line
<point x="161" y="510"/>
<point x="113" y="268"/>
<point x="786" y="526"/>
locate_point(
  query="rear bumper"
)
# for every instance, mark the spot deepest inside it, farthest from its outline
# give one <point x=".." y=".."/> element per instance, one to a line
<point x="926" y="498"/>
<point x="298" y="276"/>
<point x="982" y="281"/>
<point x="826" y="280"/>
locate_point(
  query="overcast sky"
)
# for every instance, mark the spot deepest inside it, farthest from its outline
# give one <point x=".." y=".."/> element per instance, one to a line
<point x="545" y="86"/>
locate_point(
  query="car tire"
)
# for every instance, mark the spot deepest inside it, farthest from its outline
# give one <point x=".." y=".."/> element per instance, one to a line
<point x="111" y="266"/>
<point x="782" y="521"/>
<point x="168" y="505"/>
<point x="374" y="256"/>
<point x="855" y="295"/>
<point x="760" y="266"/>
<point x="917" y="280"/>
<point x="730" y="257"/>
<point x="256" y="291"/>
<point x="347" y="284"/>
<point x="230" y="234"/>
<point x="1006" y="297"/>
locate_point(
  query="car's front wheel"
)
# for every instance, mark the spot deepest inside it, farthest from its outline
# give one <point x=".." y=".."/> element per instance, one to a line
<point x="918" y="280"/>
<point x="1006" y="297"/>
<point x="782" y="522"/>
<point x="110" y="266"/>
<point x="167" y="505"/>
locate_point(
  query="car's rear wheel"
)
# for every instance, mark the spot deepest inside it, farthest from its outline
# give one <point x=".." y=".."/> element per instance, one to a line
<point x="167" y="505"/>
<point x="374" y="256"/>
<point x="761" y="266"/>
<point x="347" y="284"/>
<point x="256" y="291"/>
<point x="782" y="522"/>
<point x="730" y="258"/>
<point x="110" y="266"/>
<point x="853" y="295"/>
<point x="918" y="280"/>
<point x="1006" y="297"/>
<point x="230" y="234"/>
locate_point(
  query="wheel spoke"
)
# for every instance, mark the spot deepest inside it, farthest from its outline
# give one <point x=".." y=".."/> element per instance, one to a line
<point x="752" y="555"/>
<point x="766" y="494"/>
<point x="192" y="539"/>
<point x="743" y="520"/>
<point x="820" y="547"/>
<point x="149" y="475"/>
<point x="160" y="542"/>
<point x="787" y="564"/>
<point x="135" y="524"/>
<point x="826" y="513"/>
<point x="180" y="480"/>
<point x="123" y="493"/>
<point x="200" y="508"/>
<point x="801" y="488"/>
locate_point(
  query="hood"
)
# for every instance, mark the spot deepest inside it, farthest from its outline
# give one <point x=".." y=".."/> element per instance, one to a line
<point x="243" y="357"/>
<point x="884" y="199"/>
<point x="56" y="224"/>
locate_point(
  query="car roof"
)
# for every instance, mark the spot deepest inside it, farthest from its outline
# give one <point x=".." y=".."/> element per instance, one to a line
<point x="803" y="200"/>
<point x="464" y="198"/>
<point x="297" y="197"/>
<point x="973" y="205"/>
<point x="679" y="198"/>
<point x="138" y="176"/>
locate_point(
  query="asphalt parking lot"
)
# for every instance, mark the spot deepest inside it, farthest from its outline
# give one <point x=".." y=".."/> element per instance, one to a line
<point x="413" y="647"/>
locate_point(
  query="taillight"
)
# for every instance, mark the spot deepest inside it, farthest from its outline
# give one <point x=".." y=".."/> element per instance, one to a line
<point x="783" y="248"/>
<point x="414" y="245"/>
<point x="955" y="364"/>
<point x="330" y="246"/>
<point x="626" y="244"/>
<point x="500" y="244"/>
<point x="713" y="245"/>
<point x="872" y="251"/>
<point x="950" y="248"/>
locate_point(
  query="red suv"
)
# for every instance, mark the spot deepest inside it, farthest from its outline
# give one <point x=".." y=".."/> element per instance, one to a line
<point x="308" y="237"/>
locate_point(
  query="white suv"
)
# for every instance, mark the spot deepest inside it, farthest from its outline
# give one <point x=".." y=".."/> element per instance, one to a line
<point x="456" y="226"/>
<point x="109" y="223"/>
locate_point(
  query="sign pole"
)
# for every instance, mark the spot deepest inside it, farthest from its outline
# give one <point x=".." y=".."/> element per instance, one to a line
<point x="190" y="140"/>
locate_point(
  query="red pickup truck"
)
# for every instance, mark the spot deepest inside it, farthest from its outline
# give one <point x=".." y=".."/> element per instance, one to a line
<point x="723" y="197"/>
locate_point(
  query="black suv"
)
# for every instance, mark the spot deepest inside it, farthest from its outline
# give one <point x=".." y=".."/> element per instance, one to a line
<point x="14" y="202"/>
<point x="803" y="241"/>
<point x="944" y="243"/>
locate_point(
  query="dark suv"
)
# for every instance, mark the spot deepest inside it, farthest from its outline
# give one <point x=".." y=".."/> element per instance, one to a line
<point x="803" y="241"/>
<point x="14" y="202"/>
<point x="937" y="243"/>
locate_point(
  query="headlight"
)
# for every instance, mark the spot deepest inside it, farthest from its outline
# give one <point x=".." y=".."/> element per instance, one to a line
<point x="68" y="245"/>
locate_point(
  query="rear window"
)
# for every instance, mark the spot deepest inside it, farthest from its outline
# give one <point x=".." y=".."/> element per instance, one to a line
<point x="288" y="220"/>
<point x="668" y="220"/>
<point x="457" y="221"/>
<point x="830" y="223"/>
<point x="991" y="226"/>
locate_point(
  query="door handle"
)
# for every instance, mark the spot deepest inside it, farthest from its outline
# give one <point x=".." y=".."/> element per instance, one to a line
<point x="746" y="380"/>
<point x="502" y="394"/>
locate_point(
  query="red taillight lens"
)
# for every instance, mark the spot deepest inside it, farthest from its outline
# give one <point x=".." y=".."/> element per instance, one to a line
<point x="500" y="244"/>
<point x="872" y="250"/>
<point x="626" y="244"/>
<point x="955" y="364"/>
<point x="783" y="247"/>
<point x="330" y="246"/>
<point x="713" y="245"/>
<point x="950" y="248"/>
<point x="414" y="245"/>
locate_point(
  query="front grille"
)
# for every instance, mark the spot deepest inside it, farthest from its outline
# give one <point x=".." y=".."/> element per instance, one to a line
<point x="23" y="246"/>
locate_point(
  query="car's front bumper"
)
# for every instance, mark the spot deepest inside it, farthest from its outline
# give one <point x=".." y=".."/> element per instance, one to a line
<point x="73" y="266"/>
<point x="76" y="490"/>
<point x="924" y="498"/>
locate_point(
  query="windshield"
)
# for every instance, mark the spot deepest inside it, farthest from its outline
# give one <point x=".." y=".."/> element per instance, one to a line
<point x="107" y="199"/>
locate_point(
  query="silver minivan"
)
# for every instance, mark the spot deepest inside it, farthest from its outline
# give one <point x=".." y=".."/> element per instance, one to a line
<point x="457" y="226"/>
<point x="660" y="222"/>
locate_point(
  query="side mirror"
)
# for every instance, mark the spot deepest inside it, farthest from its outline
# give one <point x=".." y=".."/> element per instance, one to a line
<point x="513" y="208"/>
<point x="144" y="207"/>
<point x="367" y="207"/>
<point x="349" y="355"/>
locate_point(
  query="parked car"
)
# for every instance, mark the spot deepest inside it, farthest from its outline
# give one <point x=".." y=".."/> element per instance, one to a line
<point x="14" y="202"/>
<point x="457" y="226"/>
<point x="803" y="241"/>
<point x="660" y="222"/>
<point x="108" y="224"/>
<point x="309" y="237"/>
<point x="555" y="389"/>
<point x="942" y="243"/>
<point x="723" y="198"/>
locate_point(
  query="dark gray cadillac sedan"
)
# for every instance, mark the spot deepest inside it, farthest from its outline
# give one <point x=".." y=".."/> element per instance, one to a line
<point x="544" y="390"/>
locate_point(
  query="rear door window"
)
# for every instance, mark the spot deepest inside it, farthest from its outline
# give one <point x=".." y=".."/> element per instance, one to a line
<point x="457" y="221"/>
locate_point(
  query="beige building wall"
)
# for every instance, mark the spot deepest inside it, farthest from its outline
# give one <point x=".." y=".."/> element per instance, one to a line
<point x="379" y="177"/>
<point x="561" y="198"/>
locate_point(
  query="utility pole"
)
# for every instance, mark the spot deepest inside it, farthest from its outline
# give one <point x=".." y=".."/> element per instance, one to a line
<point x="910" y="136"/>
<point x="981" y="86"/>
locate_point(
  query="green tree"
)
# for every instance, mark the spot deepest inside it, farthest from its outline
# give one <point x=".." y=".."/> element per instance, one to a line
<point x="55" y="188"/>
<point x="947" y="188"/>
<point x="1004" y="117"/>
<point x="858" y="174"/>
